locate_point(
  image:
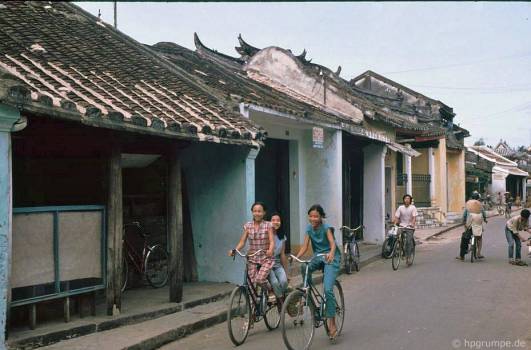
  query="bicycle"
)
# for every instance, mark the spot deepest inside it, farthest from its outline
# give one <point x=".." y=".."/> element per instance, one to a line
<point x="304" y="310"/>
<point x="351" y="248"/>
<point x="403" y="248"/>
<point x="248" y="305"/>
<point x="152" y="263"/>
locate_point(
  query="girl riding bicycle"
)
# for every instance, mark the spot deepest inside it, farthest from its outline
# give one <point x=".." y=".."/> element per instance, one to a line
<point x="260" y="235"/>
<point x="322" y="238"/>
<point x="278" y="275"/>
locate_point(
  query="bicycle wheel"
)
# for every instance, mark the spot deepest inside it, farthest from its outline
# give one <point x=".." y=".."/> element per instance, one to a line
<point x="272" y="314"/>
<point x="396" y="254"/>
<point x="125" y="272"/>
<point x="340" y="308"/>
<point x="348" y="260"/>
<point x="297" y="321"/>
<point x="410" y="257"/>
<point x="156" y="266"/>
<point x="239" y="315"/>
<point x="356" y="256"/>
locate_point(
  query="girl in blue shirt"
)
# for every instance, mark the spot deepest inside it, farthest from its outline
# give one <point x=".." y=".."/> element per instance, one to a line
<point x="322" y="239"/>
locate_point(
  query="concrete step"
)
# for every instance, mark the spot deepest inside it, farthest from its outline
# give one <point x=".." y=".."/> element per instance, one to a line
<point x="150" y="334"/>
<point x="95" y="326"/>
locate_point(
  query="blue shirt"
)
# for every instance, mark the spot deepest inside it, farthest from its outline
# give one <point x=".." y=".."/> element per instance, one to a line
<point x="277" y="250"/>
<point x="320" y="244"/>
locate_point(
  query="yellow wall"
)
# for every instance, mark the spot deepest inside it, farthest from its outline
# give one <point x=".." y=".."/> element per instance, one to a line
<point x="419" y="165"/>
<point x="456" y="180"/>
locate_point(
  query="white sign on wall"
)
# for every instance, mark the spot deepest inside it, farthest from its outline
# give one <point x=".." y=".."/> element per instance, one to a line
<point x="317" y="137"/>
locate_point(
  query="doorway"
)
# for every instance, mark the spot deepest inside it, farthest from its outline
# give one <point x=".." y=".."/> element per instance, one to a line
<point x="272" y="181"/>
<point x="352" y="181"/>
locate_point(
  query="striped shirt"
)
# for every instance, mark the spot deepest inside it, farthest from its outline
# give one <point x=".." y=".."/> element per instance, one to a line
<point x="258" y="239"/>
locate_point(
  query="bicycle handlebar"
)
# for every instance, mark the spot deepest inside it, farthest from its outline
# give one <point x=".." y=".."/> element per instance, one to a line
<point x="293" y="257"/>
<point x="245" y="255"/>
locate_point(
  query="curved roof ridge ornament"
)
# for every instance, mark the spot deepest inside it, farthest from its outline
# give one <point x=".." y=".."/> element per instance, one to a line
<point x="220" y="57"/>
<point x="338" y="71"/>
<point x="245" y="50"/>
<point x="302" y="57"/>
<point x="197" y="42"/>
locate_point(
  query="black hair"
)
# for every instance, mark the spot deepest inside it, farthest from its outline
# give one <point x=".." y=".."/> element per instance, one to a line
<point x="260" y="204"/>
<point x="475" y="195"/>
<point x="319" y="209"/>
<point x="525" y="213"/>
<point x="280" y="233"/>
<point x="410" y="198"/>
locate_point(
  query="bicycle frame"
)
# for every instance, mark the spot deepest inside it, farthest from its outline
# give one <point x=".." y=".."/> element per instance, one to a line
<point x="134" y="257"/>
<point x="248" y="284"/>
<point x="312" y="294"/>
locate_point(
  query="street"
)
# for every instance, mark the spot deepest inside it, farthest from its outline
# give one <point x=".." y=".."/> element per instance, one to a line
<point x="438" y="303"/>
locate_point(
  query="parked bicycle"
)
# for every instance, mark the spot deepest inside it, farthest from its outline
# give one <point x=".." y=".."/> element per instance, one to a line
<point x="351" y="248"/>
<point x="248" y="305"/>
<point x="403" y="247"/>
<point x="304" y="310"/>
<point x="153" y="262"/>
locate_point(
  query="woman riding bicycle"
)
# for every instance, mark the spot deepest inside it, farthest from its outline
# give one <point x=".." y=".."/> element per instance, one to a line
<point x="260" y="235"/>
<point x="322" y="238"/>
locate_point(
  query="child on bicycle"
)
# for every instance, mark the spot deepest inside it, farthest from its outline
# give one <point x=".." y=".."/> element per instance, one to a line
<point x="260" y="235"/>
<point x="278" y="275"/>
<point x="322" y="239"/>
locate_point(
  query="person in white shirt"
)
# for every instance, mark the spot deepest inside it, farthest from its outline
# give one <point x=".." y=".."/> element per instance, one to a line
<point x="406" y="217"/>
<point x="406" y="214"/>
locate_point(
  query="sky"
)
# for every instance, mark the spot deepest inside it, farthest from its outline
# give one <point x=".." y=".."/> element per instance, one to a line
<point x="473" y="56"/>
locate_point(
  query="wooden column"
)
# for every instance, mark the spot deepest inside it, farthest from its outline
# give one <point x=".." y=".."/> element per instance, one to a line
<point x="175" y="226"/>
<point x="114" y="230"/>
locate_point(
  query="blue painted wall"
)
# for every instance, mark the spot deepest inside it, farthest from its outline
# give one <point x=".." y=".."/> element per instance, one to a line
<point x="220" y="184"/>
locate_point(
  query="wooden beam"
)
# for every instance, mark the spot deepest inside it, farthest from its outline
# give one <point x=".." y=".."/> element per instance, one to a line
<point x="114" y="231"/>
<point x="175" y="225"/>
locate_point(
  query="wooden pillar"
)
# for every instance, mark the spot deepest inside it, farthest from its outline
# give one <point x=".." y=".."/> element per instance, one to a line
<point x="175" y="226"/>
<point x="114" y="231"/>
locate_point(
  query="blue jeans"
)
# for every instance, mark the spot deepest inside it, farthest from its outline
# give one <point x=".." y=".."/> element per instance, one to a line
<point x="330" y="274"/>
<point x="278" y="280"/>
<point x="513" y="241"/>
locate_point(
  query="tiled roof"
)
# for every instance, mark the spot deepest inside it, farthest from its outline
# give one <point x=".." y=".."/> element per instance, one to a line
<point x="56" y="57"/>
<point x="228" y="80"/>
<point x="375" y="107"/>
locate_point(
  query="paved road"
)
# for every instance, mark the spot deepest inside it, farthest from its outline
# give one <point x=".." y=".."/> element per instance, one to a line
<point x="438" y="303"/>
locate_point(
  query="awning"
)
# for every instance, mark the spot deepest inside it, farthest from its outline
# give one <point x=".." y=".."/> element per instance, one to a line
<point x="376" y="136"/>
<point x="510" y="170"/>
<point x="402" y="149"/>
<point x="515" y="171"/>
